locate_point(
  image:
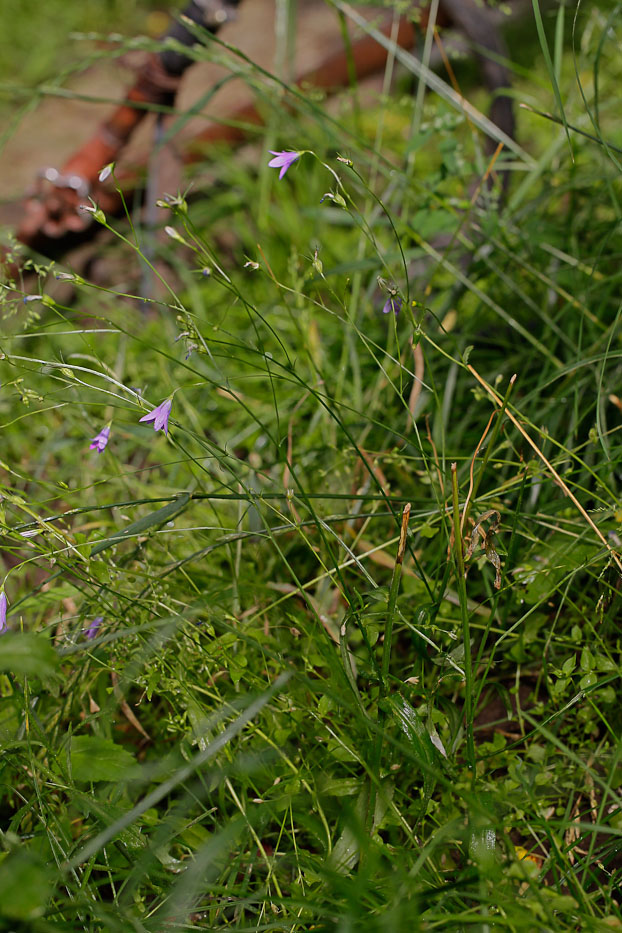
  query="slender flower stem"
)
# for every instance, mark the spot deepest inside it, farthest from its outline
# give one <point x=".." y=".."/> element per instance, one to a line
<point x="466" y="636"/>
<point x="384" y="672"/>
<point x="395" y="584"/>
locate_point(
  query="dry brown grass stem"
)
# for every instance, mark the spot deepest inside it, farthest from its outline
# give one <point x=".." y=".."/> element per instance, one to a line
<point x="472" y="469"/>
<point x="415" y="392"/>
<point x="560" y="482"/>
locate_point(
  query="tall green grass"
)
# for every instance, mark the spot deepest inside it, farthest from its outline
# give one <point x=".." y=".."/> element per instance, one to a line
<point x="296" y="712"/>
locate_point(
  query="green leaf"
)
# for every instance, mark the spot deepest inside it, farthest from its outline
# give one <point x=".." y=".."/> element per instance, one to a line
<point x="467" y="354"/>
<point x="588" y="681"/>
<point x="422" y="748"/>
<point x="96" y="759"/>
<point x="550" y="67"/>
<point x="587" y="661"/>
<point x="338" y="787"/>
<point x="430" y="223"/>
<point x="143" y="524"/>
<point x="24" y="886"/>
<point x="27" y="653"/>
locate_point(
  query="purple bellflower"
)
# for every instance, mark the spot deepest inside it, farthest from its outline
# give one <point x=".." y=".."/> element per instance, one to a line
<point x="283" y="160"/>
<point x="159" y="416"/>
<point x="3" y="605"/>
<point x="393" y="303"/>
<point x="93" y="628"/>
<point x="99" y="442"/>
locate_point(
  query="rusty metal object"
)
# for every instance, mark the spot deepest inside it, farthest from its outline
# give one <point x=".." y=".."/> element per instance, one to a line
<point x="51" y="211"/>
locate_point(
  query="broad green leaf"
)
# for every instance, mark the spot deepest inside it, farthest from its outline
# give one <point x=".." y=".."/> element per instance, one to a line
<point x="96" y="759"/>
<point x="27" y="653"/>
<point x="423" y="749"/>
<point x="24" y="887"/>
<point x="338" y="787"/>
<point x="347" y="849"/>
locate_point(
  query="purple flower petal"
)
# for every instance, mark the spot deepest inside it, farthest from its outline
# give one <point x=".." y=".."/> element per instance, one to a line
<point x="159" y="416"/>
<point x="3" y="605"/>
<point x="282" y="160"/>
<point x="393" y="303"/>
<point x="92" y="629"/>
<point x="100" y="440"/>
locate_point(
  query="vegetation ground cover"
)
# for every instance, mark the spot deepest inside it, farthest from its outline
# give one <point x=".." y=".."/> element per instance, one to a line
<point x="340" y="649"/>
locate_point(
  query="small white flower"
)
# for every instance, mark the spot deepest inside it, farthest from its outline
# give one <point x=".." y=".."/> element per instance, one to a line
<point x="106" y="172"/>
<point x="174" y="235"/>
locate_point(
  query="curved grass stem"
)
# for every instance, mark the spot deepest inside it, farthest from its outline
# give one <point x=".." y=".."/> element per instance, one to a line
<point x="464" y="611"/>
